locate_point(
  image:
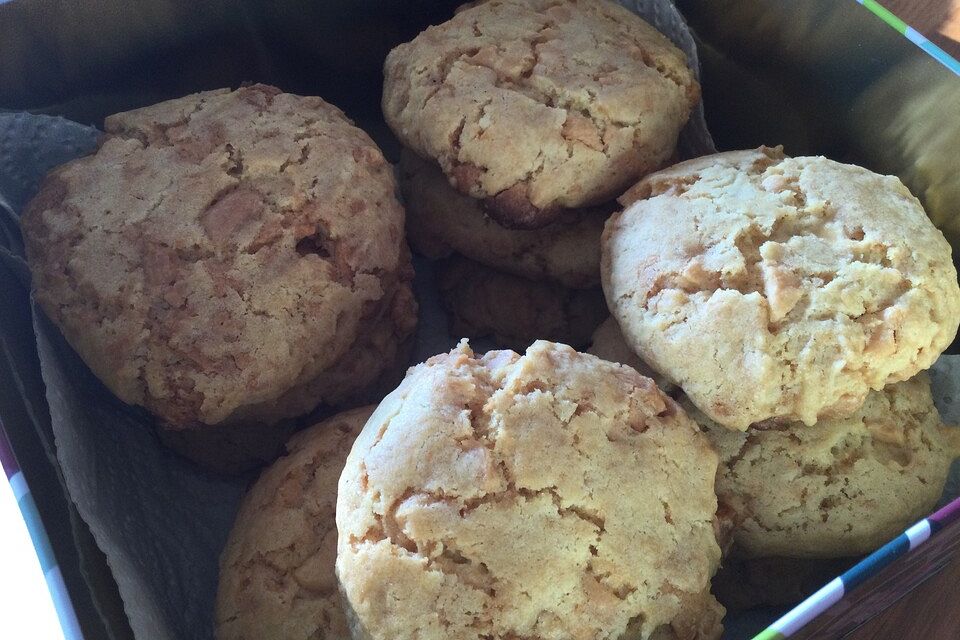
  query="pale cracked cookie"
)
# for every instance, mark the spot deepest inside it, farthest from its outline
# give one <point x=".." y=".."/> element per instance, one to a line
<point x="441" y="221"/>
<point x="515" y="311"/>
<point x="218" y="250"/>
<point x="538" y="105"/>
<point x="842" y="487"/>
<point x="773" y="287"/>
<point x="277" y="575"/>
<point x="608" y="343"/>
<point x="372" y="367"/>
<point x="549" y="495"/>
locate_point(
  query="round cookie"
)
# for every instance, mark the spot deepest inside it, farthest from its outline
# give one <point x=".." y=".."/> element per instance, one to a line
<point x="277" y="574"/>
<point x="481" y="301"/>
<point x="546" y="495"/>
<point x="773" y="287"/>
<point x="608" y="343"/>
<point x="839" y="488"/>
<point x="371" y="368"/>
<point x="538" y="105"/>
<point x="441" y="221"/>
<point x="217" y="251"/>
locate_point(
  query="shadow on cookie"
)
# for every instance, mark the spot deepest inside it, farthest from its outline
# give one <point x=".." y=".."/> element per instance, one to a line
<point x="481" y="301"/>
<point x="236" y="448"/>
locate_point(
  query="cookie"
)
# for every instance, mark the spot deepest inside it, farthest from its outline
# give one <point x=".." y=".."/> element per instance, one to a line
<point x="774" y="287"/>
<point x="441" y="221"/>
<point x="515" y="311"/>
<point x="842" y="487"/>
<point x="608" y="343"/>
<point x="277" y="575"/>
<point x="551" y="494"/>
<point x="218" y="251"/>
<point x="534" y="106"/>
<point x="371" y="368"/>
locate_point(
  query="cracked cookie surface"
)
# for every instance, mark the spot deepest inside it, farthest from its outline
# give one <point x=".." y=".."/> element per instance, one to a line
<point x="548" y="495"/>
<point x="842" y="487"/>
<point x="538" y="105"/>
<point x="217" y="250"/>
<point x="441" y="221"/>
<point x="774" y="287"/>
<point x="482" y="301"/>
<point x="372" y="367"/>
<point x="277" y="574"/>
<point x="608" y="343"/>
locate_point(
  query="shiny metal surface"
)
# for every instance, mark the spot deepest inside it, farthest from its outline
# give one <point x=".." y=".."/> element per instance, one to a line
<point x="827" y="77"/>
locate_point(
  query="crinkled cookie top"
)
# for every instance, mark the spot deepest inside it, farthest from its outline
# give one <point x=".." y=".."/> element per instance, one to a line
<point x="842" y="487"/>
<point x="538" y="105"/>
<point x="217" y="249"/>
<point x="774" y="287"/>
<point x="549" y="495"/>
<point x="277" y="574"/>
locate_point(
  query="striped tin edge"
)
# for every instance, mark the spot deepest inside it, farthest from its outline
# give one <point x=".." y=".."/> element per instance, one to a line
<point x="834" y="590"/>
<point x="912" y="35"/>
<point x="41" y="543"/>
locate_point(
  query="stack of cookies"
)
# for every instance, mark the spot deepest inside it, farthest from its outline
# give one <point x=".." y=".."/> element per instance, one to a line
<point x="521" y="120"/>
<point x="232" y="261"/>
<point x="558" y="494"/>
<point x="794" y="303"/>
<point x="545" y="495"/>
<point x="229" y="260"/>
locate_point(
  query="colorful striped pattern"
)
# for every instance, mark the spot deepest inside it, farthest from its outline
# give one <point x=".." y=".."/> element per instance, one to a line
<point x="912" y="35"/>
<point x="834" y="590"/>
<point x="48" y="562"/>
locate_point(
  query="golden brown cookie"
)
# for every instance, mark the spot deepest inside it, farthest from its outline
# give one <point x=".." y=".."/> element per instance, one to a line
<point x="773" y="287"/>
<point x="538" y="105"/>
<point x="551" y="494"/>
<point x="277" y="576"/>
<point x="441" y="221"/>
<point x="369" y="370"/>
<point x="841" y="487"/>
<point x="515" y="311"/>
<point x="218" y="251"/>
<point x="608" y="343"/>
